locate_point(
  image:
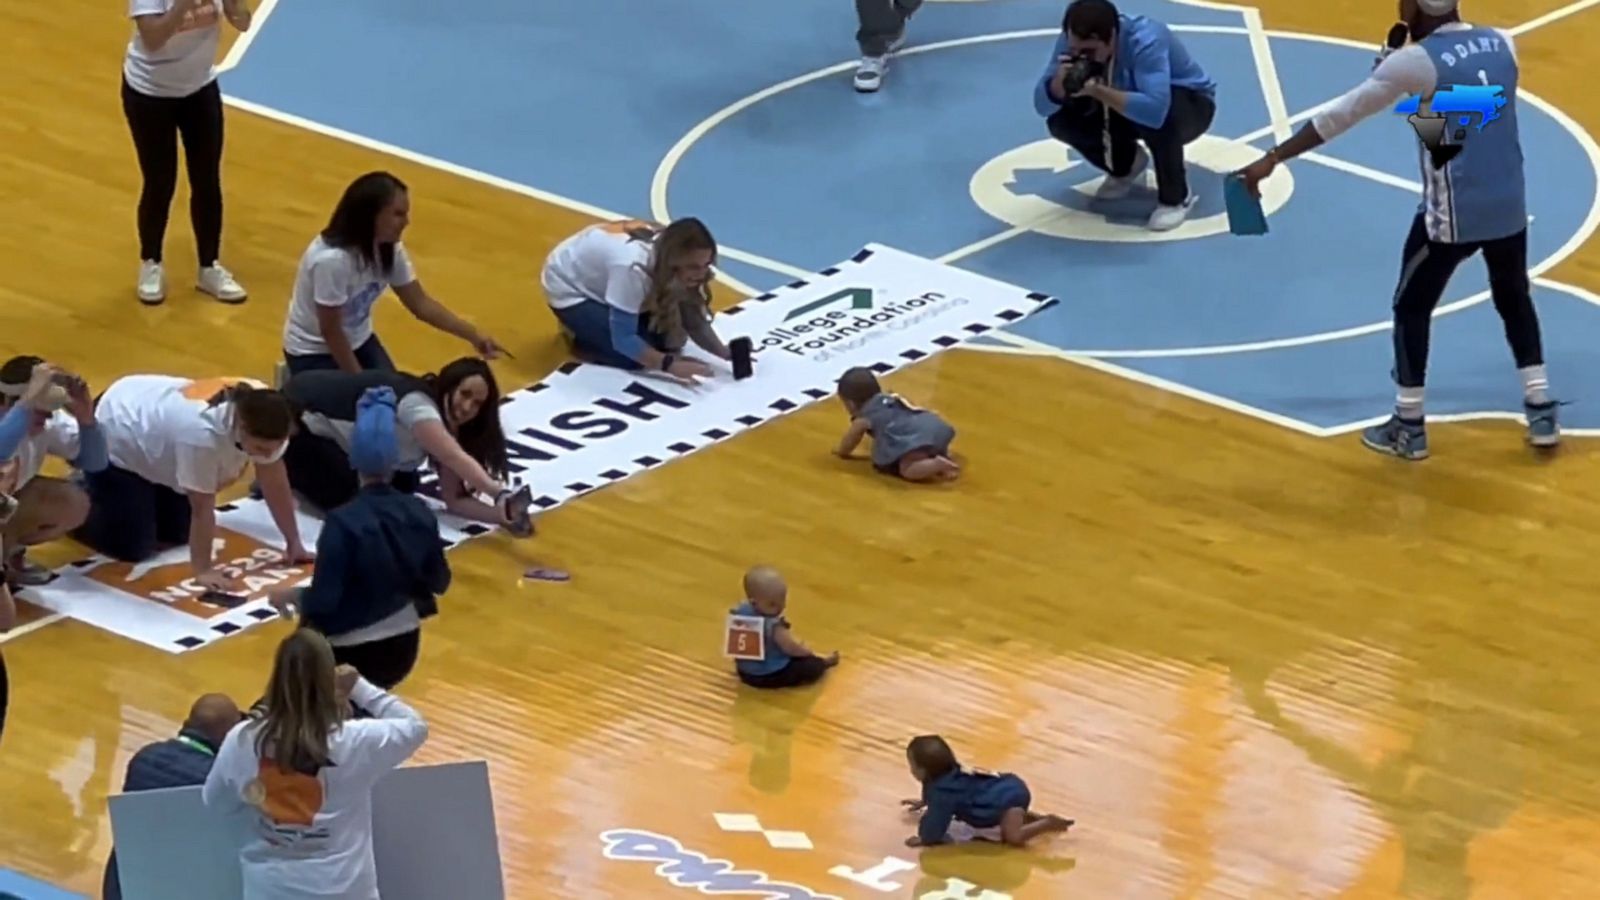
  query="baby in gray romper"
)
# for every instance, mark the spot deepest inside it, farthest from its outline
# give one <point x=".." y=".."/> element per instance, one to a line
<point x="910" y="442"/>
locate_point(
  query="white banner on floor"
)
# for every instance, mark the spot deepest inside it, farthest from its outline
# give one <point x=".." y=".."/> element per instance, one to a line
<point x="588" y="426"/>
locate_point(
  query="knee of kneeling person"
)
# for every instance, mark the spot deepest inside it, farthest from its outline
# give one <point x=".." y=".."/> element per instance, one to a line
<point x="49" y="509"/>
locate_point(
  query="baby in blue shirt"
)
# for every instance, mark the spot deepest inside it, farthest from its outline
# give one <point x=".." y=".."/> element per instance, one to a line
<point x="979" y="798"/>
<point x="787" y="662"/>
<point x="907" y="440"/>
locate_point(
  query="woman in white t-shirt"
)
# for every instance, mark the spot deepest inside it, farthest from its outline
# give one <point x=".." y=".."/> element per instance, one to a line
<point x="174" y="444"/>
<point x="169" y="90"/>
<point x="304" y="771"/>
<point x="345" y="272"/>
<point x="631" y="294"/>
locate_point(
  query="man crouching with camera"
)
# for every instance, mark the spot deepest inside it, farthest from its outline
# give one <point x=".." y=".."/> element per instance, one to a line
<point x="1117" y="84"/>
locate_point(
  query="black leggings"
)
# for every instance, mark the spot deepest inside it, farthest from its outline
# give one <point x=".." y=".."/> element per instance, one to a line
<point x="5" y="694"/>
<point x="1110" y="141"/>
<point x="320" y="471"/>
<point x="156" y="124"/>
<point x="131" y="519"/>
<point x="386" y="662"/>
<point x="799" y="672"/>
<point x="371" y="355"/>
<point x="1425" y="270"/>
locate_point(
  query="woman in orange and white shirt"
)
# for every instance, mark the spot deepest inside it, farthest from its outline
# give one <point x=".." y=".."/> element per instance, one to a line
<point x="174" y="445"/>
<point x="305" y="770"/>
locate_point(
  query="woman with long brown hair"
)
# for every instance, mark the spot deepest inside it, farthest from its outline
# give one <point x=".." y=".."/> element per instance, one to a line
<point x="451" y="417"/>
<point x="632" y="294"/>
<point x="307" y="768"/>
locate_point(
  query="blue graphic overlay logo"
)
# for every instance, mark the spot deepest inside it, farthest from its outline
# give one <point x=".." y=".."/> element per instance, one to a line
<point x="1457" y="103"/>
<point x="686" y="868"/>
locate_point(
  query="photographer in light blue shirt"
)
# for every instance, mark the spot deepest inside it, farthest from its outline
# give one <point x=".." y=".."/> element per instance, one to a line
<point x="1115" y="82"/>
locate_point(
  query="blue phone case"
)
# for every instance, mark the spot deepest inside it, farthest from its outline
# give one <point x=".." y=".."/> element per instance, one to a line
<point x="1244" y="211"/>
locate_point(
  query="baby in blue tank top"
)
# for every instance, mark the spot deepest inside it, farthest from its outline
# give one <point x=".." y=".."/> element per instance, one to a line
<point x="910" y="442"/>
<point x="979" y="798"/>
<point x="787" y="662"/>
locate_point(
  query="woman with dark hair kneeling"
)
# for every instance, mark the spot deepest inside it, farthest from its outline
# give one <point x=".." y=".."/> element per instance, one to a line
<point x="452" y="417"/>
<point x="174" y="444"/>
<point x="380" y="565"/>
<point x="345" y="272"/>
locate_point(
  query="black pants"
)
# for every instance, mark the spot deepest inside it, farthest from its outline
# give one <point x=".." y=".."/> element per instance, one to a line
<point x="319" y="470"/>
<point x="798" y="673"/>
<point x="5" y="694"/>
<point x="131" y="519"/>
<point x="156" y="124"/>
<point x="1425" y="270"/>
<point x="385" y="663"/>
<point x="371" y="355"/>
<point x="1088" y="127"/>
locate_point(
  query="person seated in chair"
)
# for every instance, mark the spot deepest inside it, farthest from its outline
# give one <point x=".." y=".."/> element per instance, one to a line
<point x="182" y="761"/>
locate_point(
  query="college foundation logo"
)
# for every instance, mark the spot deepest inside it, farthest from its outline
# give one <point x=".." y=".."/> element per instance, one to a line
<point x="168" y="579"/>
<point x="849" y="318"/>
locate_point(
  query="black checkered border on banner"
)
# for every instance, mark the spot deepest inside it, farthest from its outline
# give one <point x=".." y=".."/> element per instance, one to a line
<point x="257" y="612"/>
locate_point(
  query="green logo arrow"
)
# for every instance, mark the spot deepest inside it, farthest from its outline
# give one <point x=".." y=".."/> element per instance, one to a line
<point x="860" y="298"/>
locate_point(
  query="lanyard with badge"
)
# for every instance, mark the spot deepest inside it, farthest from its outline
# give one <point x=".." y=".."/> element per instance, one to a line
<point x="195" y="745"/>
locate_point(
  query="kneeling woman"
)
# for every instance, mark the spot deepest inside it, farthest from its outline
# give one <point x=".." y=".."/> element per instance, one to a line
<point x="452" y="417"/>
<point x="632" y="294"/>
<point x="174" y="444"/>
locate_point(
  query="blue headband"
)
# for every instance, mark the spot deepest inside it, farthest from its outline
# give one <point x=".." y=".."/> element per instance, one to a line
<point x="373" y="449"/>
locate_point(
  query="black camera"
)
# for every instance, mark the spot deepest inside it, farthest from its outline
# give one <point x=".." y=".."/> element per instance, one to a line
<point x="1079" y="71"/>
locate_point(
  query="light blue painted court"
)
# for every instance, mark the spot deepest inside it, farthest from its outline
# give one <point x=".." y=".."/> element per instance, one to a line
<point x="16" y="886"/>
<point x="768" y="143"/>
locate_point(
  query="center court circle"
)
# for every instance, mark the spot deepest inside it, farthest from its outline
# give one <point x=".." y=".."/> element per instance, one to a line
<point x="995" y="188"/>
<point x="1109" y="329"/>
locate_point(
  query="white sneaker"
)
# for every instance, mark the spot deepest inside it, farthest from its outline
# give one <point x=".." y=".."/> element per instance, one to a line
<point x="869" y="75"/>
<point x="1114" y="188"/>
<point x="219" y="283"/>
<point x="152" y="283"/>
<point x="1166" y="218"/>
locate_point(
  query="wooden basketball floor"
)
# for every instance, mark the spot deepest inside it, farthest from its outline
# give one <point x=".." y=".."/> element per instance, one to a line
<point x="1250" y="663"/>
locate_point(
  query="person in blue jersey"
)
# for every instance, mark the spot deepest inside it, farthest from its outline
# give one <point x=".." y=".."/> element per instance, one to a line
<point x="788" y="662"/>
<point x="1475" y="201"/>
<point x="977" y="797"/>
<point x="632" y="295"/>
<point x="1144" y="91"/>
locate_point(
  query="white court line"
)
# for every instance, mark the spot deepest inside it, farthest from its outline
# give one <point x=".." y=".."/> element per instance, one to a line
<point x="1360" y="171"/>
<point x="431" y="162"/>
<point x="1267" y="71"/>
<point x="1547" y="18"/>
<point x="31" y="627"/>
<point x="1038" y="348"/>
<point x="1022" y="346"/>
<point x="258" y="20"/>
<point x="1435" y="418"/>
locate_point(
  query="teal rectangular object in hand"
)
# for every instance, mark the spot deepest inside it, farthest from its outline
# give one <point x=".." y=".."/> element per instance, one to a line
<point x="1244" y="211"/>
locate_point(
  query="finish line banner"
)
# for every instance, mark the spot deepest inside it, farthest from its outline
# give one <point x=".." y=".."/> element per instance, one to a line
<point x="588" y="426"/>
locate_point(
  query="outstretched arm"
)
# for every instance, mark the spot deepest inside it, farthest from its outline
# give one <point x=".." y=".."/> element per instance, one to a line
<point x="1406" y="71"/>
